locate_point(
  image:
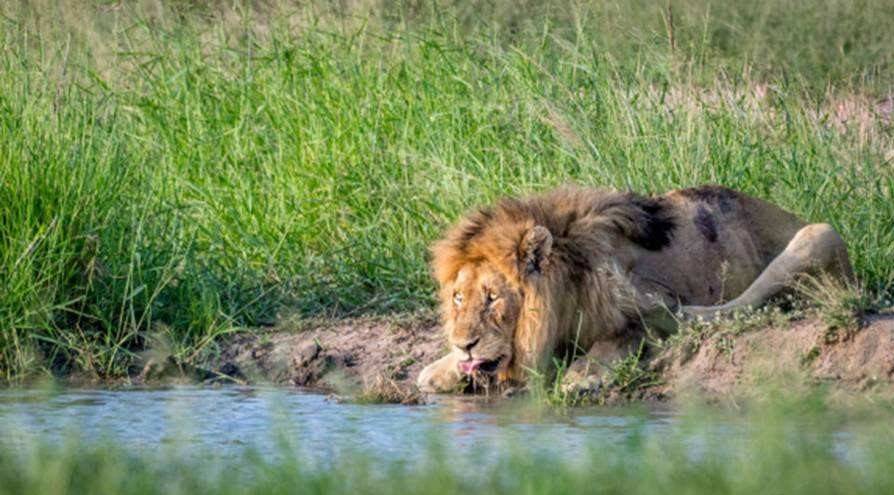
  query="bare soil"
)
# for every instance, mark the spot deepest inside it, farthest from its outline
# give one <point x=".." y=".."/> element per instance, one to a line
<point x="804" y="352"/>
<point x="379" y="358"/>
<point x="375" y="356"/>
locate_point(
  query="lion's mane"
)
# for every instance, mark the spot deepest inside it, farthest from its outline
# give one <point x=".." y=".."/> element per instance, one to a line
<point x="579" y="294"/>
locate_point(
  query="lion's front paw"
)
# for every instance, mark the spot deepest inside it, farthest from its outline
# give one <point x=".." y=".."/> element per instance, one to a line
<point x="514" y="391"/>
<point x="438" y="378"/>
<point x="582" y="385"/>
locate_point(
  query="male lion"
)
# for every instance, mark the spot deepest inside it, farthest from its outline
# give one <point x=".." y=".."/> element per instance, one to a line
<point x="536" y="278"/>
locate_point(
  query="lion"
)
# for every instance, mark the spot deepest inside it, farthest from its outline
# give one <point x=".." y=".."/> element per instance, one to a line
<point x="532" y="280"/>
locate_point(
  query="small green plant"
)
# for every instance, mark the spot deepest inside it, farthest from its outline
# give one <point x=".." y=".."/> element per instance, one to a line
<point x="628" y="374"/>
<point x="550" y="389"/>
<point x="810" y="356"/>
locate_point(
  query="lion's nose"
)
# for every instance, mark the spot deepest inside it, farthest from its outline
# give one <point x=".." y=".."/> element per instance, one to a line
<point x="468" y="345"/>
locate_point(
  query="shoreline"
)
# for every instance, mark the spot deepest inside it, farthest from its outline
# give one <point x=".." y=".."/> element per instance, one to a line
<point x="378" y="358"/>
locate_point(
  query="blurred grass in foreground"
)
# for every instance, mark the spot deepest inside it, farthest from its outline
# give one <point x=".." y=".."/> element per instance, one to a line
<point x="170" y="172"/>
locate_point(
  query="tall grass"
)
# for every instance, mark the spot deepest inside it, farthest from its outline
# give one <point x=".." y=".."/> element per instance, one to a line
<point x="170" y="172"/>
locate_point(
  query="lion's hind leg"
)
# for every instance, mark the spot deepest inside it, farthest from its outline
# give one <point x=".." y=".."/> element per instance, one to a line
<point x="815" y="248"/>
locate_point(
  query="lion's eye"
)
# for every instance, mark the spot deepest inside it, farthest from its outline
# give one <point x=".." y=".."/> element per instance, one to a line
<point x="457" y="298"/>
<point x="491" y="297"/>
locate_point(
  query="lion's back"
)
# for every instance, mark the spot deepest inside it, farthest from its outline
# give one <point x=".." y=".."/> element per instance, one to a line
<point x="722" y="240"/>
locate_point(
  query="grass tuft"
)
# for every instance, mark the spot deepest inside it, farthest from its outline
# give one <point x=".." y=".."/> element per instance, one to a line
<point x="840" y="305"/>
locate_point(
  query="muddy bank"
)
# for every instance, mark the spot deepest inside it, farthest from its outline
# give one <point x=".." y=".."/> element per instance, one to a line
<point x="381" y="357"/>
<point x="369" y="355"/>
<point x="804" y="351"/>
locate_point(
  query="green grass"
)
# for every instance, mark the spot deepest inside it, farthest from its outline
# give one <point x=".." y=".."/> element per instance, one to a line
<point x="172" y="172"/>
<point x="789" y="446"/>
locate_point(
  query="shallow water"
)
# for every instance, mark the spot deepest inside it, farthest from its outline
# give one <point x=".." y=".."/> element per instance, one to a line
<point x="226" y="422"/>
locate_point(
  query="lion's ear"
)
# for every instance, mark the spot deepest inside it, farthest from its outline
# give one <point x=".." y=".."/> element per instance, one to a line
<point x="534" y="250"/>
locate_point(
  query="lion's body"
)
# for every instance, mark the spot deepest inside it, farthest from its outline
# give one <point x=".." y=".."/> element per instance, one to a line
<point x="721" y="242"/>
<point x="590" y="267"/>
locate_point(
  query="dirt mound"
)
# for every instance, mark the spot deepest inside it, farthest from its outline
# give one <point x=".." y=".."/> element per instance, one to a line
<point x="379" y="358"/>
<point x="723" y="364"/>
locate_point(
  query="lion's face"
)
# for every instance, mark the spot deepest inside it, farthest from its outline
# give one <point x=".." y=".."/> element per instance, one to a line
<point x="481" y="311"/>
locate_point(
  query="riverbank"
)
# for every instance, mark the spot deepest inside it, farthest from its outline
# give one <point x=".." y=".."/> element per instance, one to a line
<point x="379" y="358"/>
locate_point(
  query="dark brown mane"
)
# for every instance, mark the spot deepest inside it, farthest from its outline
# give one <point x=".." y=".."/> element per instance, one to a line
<point x="582" y="221"/>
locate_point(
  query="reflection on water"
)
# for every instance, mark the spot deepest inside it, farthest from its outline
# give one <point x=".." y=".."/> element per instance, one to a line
<point x="225" y="421"/>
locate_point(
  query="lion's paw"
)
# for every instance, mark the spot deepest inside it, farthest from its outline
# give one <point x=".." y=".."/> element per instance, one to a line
<point x="577" y="385"/>
<point x="437" y="379"/>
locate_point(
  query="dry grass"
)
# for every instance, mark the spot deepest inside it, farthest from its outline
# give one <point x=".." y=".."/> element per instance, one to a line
<point x="840" y="305"/>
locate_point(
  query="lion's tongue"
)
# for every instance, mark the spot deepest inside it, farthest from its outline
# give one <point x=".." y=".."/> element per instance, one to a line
<point x="469" y="367"/>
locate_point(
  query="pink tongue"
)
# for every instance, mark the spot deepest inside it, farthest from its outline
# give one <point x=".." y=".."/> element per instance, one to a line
<point x="469" y="367"/>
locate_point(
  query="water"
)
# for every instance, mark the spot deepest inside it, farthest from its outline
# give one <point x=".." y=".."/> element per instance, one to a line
<point x="225" y="421"/>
